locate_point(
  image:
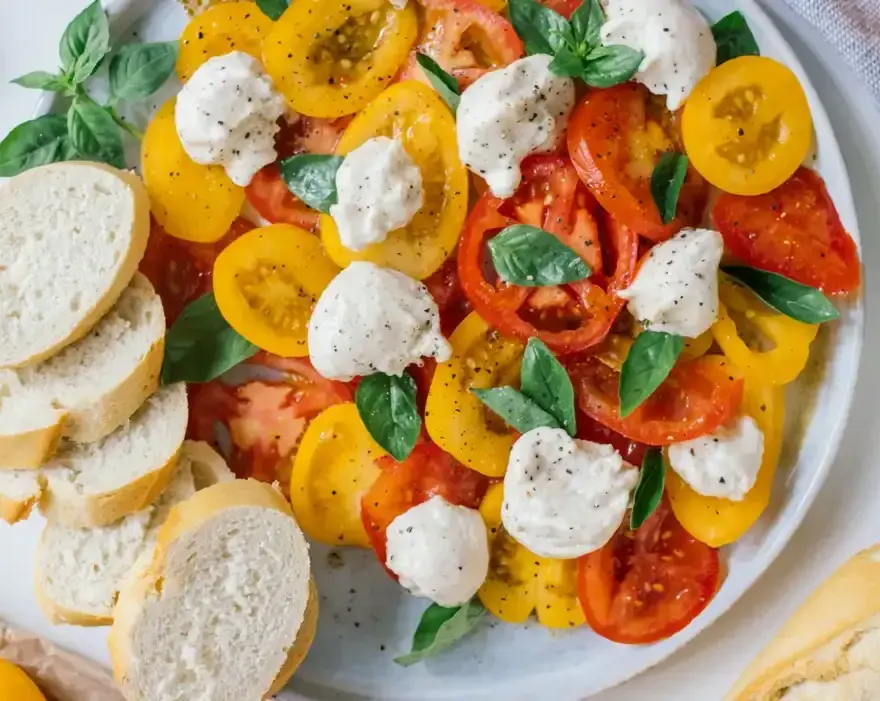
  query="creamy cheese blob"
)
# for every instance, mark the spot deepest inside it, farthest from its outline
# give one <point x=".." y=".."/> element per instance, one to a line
<point x="725" y="463"/>
<point x="676" y="288"/>
<point x="379" y="189"/>
<point x="372" y="319"/>
<point x="227" y="115"/>
<point x="563" y="497"/>
<point x="439" y="551"/>
<point x="676" y="39"/>
<point x="509" y="114"/>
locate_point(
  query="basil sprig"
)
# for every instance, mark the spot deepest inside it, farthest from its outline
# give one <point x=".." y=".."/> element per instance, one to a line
<point x="531" y="257"/>
<point x="649" y="490"/>
<point x="445" y="85"/>
<point x="312" y="178"/>
<point x="201" y="345"/>
<point x="84" y="44"/>
<point x="649" y="362"/>
<point x="387" y="406"/>
<point x="94" y="135"/>
<point x="734" y="38"/>
<point x="666" y="183"/>
<point x="517" y="410"/>
<point x="273" y="9"/>
<point x="440" y="628"/>
<point x="795" y="300"/>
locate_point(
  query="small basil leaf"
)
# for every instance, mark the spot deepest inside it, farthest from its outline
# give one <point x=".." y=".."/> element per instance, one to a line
<point x="139" y="70"/>
<point x="201" y="345"/>
<point x="734" y="38"/>
<point x="516" y="409"/>
<point x="273" y="9"/>
<point x="531" y="257"/>
<point x="607" y="66"/>
<point x="586" y="22"/>
<point x="800" y="302"/>
<point x="666" y="182"/>
<point x="440" y="628"/>
<point x="35" y="143"/>
<point x="94" y="133"/>
<point x="542" y="30"/>
<point x="40" y="80"/>
<point x="85" y="43"/>
<point x="445" y="85"/>
<point x="649" y="490"/>
<point x="567" y="63"/>
<point x="649" y="361"/>
<point x="312" y="178"/>
<point x="546" y="383"/>
<point x="387" y="406"/>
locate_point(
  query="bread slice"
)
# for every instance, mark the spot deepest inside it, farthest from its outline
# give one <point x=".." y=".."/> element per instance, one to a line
<point x="90" y="388"/>
<point x="20" y="491"/>
<point x="216" y="614"/>
<point x="94" y="484"/>
<point x="79" y="571"/>
<point x="71" y="238"/>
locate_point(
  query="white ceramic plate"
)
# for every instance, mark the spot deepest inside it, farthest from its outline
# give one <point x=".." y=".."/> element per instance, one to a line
<point x="366" y="619"/>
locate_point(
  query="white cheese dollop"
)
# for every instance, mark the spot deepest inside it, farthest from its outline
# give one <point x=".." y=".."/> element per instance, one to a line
<point x="439" y="551"/>
<point x="563" y="497"/>
<point x="725" y="463"/>
<point x="676" y="288"/>
<point x="227" y="115"/>
<point x="676" y="39"/>
<point x="509" y="114"/>
<point x="379" y="189"/>
<point x="372" y="319"/>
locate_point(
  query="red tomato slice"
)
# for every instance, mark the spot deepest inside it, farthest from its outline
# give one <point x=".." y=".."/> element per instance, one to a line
<point x="588" y="429"/>
<point x="698" y="396"/>
<point x="268" y="194"/>
<point x="445" y="287"/>
<point x="427" y="472"/>
<point x="565" y="8"/>
<point x="647" y="585"/>
<point x="310" y="135"/>
<point x="614" y="152"/>
<point x="466" y="38"/>
<point x="568" y="318"/>
<point x="795" y="231"/>
<point x="257" y="425"/>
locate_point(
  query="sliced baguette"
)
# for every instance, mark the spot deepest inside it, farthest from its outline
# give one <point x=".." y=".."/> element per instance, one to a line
<point x="71" y="238"/>
<point x="90" y="388"/>
<point x="216" y="614"/>
<point x="79" y="571"/>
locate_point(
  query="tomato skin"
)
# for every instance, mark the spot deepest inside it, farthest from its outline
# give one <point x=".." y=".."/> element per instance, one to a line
<point x="647" y="585"/>
<point x="794" y="231"/>
<point x="588" y="429"/>
<point x="269" y="195"/>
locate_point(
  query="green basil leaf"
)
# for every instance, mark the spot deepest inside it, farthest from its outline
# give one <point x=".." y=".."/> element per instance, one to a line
<point x="35" y="143"/>
<point x="273" y="9"/>
<point x="531" y="257"/>
<point x="666" y="182"/>
<point x="546" y="383"/>
<point x="587" y="21"/>
<point x="387" y="406"/>
<point x="567" y="63"/>
<point x="786" y="296"/>
<point x="542" y="30"/>
<point x="139" y="70"/>
<point x="440" y="628"/>
<point x="649" y="490"/>
<point x="648" y="363"/>
<point x="516" y="409"/>
<point x="734" y="38"/>
<point x="445" y="85"/>
<point x="607" y="66"/>
<point x="94" y="133"/>
<point x="85" y="43"/>
<point x="201" y="345"/>
<point x="312" y="178"/>
<point x="40" y="80"/>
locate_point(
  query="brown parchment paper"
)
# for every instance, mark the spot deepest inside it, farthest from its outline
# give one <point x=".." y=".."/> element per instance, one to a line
<point x="61" y="675"/>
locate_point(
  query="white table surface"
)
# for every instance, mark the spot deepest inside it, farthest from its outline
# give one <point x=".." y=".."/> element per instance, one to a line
<point x="845" y="518"/>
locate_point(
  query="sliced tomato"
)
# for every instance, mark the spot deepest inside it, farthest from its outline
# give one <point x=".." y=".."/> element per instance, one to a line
<point x="445" y="288"/>
<point x="615" y="139"/>
<point x="269" y="195"/>
<point x="309" y="135"/>
<point x="795" y="231"/>
<point x="426" y="473"/>
<point x="466" y="38"/>
<point x="698" y="396"/>
<point x="568" y="318"/>
<point x="647" y="585"/>
<point x="565" y="8"/>
<point x="589" y="429"/>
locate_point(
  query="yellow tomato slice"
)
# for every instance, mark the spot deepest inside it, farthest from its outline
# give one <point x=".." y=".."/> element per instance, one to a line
<point x="190" y="201"/>
<point x="267" y="283"/>
<point x="747" y="125"/>
<point x="16" y="685"/>
<point x="718" y="522"/>
<point x="329" y="58"/>
<point x="334" y="467"/>
<point x="219" y="30"/>
<point x="455" y="419"/>
<point x="414" y="114"/>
